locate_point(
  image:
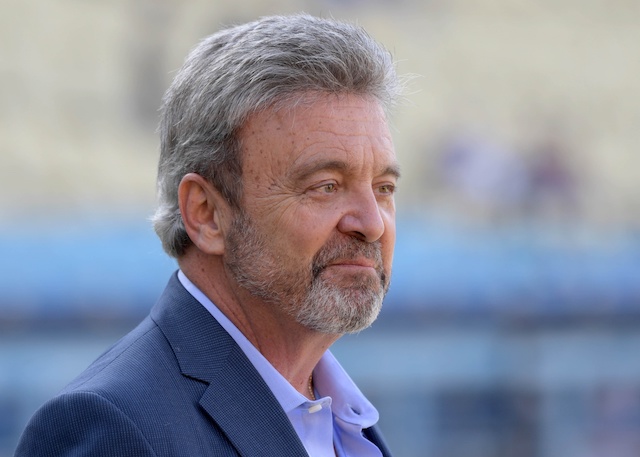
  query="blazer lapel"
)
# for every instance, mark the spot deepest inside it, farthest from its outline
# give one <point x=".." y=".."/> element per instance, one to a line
<point x="237" y="397"/>
<point x="373" y="435"/>
<point x="244" y="407"/>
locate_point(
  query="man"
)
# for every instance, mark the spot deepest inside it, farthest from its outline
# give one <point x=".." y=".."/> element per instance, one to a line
<point x="276" y="195"/>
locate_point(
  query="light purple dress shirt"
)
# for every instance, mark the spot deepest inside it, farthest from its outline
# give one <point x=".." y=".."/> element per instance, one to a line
<point x="329" y="426"/>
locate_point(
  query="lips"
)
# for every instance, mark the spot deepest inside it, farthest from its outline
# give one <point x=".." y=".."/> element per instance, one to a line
<point x="357" y="266"/>
<point x="348" y="252"/>
<point x="360" y="262"/>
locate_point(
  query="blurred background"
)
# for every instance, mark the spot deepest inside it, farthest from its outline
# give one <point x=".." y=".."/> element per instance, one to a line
<point x="512" y="328"/>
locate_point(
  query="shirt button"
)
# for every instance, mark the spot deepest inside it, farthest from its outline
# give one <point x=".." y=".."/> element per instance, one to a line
<point x="315" y="408"/>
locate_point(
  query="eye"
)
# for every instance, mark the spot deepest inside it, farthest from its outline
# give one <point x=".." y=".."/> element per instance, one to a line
<point x="387" y="189"/>
<point x="328" y="188"/>
<point x="323" y="188"/>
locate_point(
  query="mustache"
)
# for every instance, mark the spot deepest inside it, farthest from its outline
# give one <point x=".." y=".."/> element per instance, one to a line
<point x="348" y="249"/>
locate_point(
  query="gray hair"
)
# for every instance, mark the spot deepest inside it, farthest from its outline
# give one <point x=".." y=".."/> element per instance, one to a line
<point x="272" y="62"/>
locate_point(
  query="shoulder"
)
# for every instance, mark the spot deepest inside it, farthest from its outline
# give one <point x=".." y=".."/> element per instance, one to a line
<point x="131" y="357"/>
<point x="140" y="376"/>
<point x="81" y="423"/>
<point x="132" y="401"/>
<point x="141" y="396"/>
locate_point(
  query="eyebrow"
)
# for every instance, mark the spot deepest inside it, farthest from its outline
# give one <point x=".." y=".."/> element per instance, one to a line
<point x="337" y="165"/>
<point x="393" y="170"/>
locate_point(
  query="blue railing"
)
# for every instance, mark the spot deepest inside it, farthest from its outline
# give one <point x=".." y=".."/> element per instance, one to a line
<point x="92" y="271"/>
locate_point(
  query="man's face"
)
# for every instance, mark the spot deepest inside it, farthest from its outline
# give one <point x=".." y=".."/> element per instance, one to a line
<point x="315" y="236"/>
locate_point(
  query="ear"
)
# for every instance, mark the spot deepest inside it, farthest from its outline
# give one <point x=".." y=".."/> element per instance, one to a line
<point x="204" y="213"/>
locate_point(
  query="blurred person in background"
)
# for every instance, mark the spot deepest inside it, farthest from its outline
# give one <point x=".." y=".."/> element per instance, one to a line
<point x="276" y="196"/>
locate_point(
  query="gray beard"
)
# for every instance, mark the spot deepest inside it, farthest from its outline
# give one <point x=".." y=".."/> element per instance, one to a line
<point x="306" y="296"/>
<point x="329" y="309"/>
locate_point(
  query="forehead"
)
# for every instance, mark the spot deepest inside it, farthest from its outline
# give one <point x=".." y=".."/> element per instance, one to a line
<point x="347" y="128"/>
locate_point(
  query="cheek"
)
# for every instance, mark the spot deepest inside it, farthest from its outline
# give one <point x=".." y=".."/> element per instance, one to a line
<point x="310" y="240"/>
<point x="314" y="226"/>
<point x="388" y="244"/>
<point x="387" y="254"/>
<point x="299" y="238"/>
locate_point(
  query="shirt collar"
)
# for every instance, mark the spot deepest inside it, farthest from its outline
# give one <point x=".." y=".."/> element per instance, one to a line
<point x="347" y="401"/>
<point x="330" y="379"/>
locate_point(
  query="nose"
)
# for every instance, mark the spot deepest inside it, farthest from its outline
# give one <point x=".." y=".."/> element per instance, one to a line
<point x="363" y="218"/>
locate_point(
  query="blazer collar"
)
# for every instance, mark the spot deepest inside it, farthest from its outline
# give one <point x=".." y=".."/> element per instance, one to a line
<point x="237" y="397"/>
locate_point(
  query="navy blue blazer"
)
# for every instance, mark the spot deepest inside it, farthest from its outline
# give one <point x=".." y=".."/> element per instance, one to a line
<point x="177" y="385"/>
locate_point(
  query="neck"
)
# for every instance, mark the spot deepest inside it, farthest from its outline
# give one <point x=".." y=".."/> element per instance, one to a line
<point x="292" y="349"/>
